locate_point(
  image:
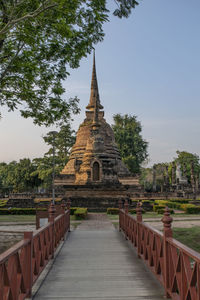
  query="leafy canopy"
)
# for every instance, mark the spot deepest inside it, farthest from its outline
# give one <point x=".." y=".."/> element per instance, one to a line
<point x="62" y="142"/>
<point x="39" y="41"/>
<point x="132" y="146"/>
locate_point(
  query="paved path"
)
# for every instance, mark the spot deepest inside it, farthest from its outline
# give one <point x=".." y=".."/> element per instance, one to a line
<point x="97" y="263"/>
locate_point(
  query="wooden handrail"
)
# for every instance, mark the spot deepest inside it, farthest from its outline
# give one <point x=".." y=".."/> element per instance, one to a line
<point x="21" y="265"/>
<point x="174" y="264"/>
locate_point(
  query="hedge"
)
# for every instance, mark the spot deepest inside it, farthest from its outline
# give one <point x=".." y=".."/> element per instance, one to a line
<point x="3" y="202"/>
<point x="112" y="211"/>
<point x="148" y="201"/>
<point x="161" y="211"/>
<point x="19" y="211"/>
<point x="72" y="210"/>
<point x="180" y="200"/>
<point x="133" y="211"/>
<point x="80" y="213"/>
<point x="156" y="207"/>
<point x="190" y="209"/>
<point x="161" y="202"/>
<point x="174" y="205"/>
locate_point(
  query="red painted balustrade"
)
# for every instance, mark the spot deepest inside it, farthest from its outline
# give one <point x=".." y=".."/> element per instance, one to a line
<point x="175" y="265"/>
<point x="21" y="265"/>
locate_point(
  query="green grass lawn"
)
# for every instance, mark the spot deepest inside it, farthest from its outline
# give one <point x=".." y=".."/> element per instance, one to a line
<point x="17" y="218"/>
<point x="22" y="218"/>
<point x="153" y="215"/>
<point x="188" y="236"/>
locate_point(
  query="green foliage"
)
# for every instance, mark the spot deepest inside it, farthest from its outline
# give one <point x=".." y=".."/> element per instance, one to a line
<point x="112" y="211"/>
<point x="147" y="201"/>
<point x="132" y="211"/>
<point x="18" y="211"/>
<point x="161" y="211"/>
<point x="191" y="209"/>
<point x="161" y="202"/>
<point x="157" y="207"/>
<point x="72" y="210"/>
<point x="180" y="200"/>
<point x="39" y="41"/>
<point x="125" y="7"/>
<point x="185" y="159"/>
<point x="18" y="176"/>
<point x="3" y="202"/>
<point x="128" y="137"/>
<point x="80" y="213"/>
<point x="174" y="205"/>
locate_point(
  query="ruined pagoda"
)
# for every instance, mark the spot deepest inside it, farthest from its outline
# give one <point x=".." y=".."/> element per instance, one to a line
<point x="95" y="157"/>
<point x="94" y="163"/>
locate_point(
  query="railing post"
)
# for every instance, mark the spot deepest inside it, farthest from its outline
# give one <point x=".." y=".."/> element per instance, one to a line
<point x="139" y="220"/>
<point x="63" y="207"/>
<point x="52" y="212"/>
<point x="68" y="208"/>
<point x="28" y="263"/>
<point x="68" y="204"/>
<point x="120" y="207"/>
<point x="167" y="230"/>
<point x="126" y="206"/>
<point x="64" y="218"/>
<point x="126" y="218"/>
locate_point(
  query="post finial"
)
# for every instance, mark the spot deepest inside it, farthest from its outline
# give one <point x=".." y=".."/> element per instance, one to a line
<point x="167" y="221"/>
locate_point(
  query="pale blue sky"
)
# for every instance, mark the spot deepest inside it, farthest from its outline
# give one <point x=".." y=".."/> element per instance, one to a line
<point x="149" y="66"/>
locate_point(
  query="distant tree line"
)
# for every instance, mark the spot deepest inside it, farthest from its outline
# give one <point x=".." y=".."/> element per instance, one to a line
<point x="30" y="175"/>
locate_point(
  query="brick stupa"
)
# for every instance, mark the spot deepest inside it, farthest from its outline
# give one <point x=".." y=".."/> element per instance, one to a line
<point x="95" y="167"/>
<point x="95" y="157"/>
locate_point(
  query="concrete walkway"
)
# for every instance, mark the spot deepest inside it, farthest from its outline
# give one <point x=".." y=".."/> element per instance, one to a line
<point x="96" y="262"/>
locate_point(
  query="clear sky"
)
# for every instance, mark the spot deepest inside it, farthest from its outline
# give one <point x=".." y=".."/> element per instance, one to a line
<point x="148" y="65"/>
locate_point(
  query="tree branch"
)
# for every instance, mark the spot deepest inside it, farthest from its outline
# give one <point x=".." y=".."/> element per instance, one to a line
<point x="20" y="46"/>
<point x="37" y="12"/>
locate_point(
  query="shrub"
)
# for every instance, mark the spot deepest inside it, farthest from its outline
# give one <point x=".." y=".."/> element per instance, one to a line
<point x="161" y="211"/>
<point x="112" y="211"/>
<point x="72" y="210"/>
<point x="180" y="200"/>
<point x="156" y="207"/>
<point x="80" y="213"/>
<point x="161" y="202"/>
<point x="174" y="205"/>
<point x="132" y="211"/>
<point x="19" y="211"/>
<point x="191" y="208"/>
<point x="134" y="200"/>
<point x="3" y="202"/>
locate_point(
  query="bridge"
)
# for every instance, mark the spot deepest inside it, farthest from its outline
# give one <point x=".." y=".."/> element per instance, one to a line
<point x="97" y="261"/>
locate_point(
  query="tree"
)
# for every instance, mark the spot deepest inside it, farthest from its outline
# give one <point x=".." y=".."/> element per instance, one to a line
<point x="132" y="146"/>
<point x="186" y="160"/>
<point x="39" y="41"/>
<point x="17" y="176"/>
<point x="62" y="141"/>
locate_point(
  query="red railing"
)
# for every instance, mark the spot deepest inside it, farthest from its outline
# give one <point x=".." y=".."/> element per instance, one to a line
<point x="175" y="265"/>
<point x="21" y="265"/>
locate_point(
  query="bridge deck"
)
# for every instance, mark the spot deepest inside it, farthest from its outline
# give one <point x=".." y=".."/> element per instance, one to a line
<point x="97" y="263"/>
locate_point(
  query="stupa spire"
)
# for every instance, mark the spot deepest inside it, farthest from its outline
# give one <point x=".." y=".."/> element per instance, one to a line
<point x="94" y="103"/>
